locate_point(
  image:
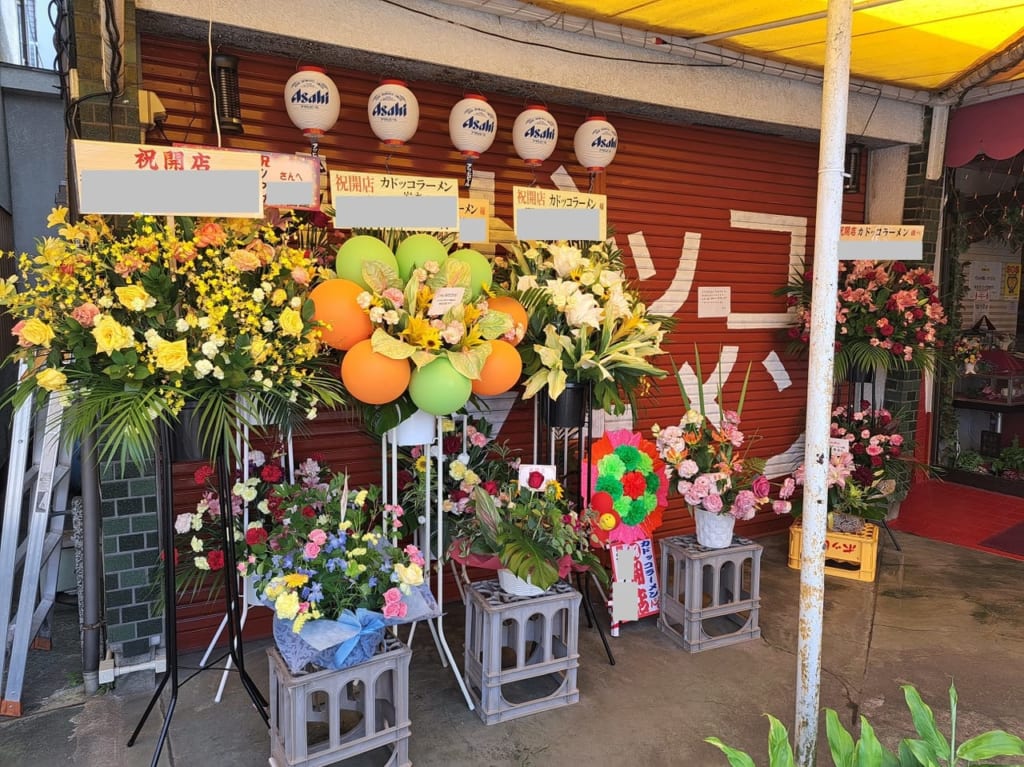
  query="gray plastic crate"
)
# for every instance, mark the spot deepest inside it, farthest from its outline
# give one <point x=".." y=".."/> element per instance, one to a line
<point x="709" y="597"/>
<point x="521" y="652"/>
<point x="326" y="716"/>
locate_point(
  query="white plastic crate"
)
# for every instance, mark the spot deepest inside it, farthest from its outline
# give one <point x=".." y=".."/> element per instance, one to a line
<point x="709" y="597"/>
<point x="521" y="652"/>
<point x="327" y="716"/>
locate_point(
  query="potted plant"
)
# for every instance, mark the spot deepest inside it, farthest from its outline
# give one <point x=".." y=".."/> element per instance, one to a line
<point x="322" y="557"/>
<point x="529" y="530"/>
<point x="587" y="326"/>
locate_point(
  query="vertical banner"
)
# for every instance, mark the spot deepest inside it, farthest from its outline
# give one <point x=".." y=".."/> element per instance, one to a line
<point x="635" y="591"/>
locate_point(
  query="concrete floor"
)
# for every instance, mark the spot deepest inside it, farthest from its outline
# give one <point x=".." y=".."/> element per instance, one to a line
<point x="935" y="613"/>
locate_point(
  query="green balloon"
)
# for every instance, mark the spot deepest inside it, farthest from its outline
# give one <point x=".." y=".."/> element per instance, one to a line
<point x="356" y="251"/>
<point x="415" y="251"/>
<point x="439" y="388"/>
<point x="480" y="271"/>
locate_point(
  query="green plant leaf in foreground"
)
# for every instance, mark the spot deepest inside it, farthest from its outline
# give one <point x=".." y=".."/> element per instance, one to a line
<point x="736" y="757"/>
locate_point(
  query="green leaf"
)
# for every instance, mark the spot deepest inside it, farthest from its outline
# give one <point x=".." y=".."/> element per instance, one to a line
<point x="780" y="753"/>
<point x="736" y="757"/>
<point x="924" y="722"/>
<point x="469" y="362"/>
<point x="456" y="274"/>
<point x="869" y="750"/>
<point x="494" y="324"/>
<point x="380" y="276"/>
<point x="390" y="346"/>
<point x="840" y="742"/>
<point x="990" y="744"/>
<point x="922" y="752"/>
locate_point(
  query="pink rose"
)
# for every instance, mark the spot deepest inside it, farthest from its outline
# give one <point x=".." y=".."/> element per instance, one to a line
<point x="85" y="314"/>
<point x="395" y="609"/>
<point x="761" y="486"/>
<point x="301" y="275"/>
<point x="311" y="550"/>
<point x="318" y="536"/>
<point x="782" y="507"/>
<point x="414" y="555"/>
<point x="713" y="503"/>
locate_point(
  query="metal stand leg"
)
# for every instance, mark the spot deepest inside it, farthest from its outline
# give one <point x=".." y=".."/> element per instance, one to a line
<point x="583" y="584"/>
<point x="885" y="523"/>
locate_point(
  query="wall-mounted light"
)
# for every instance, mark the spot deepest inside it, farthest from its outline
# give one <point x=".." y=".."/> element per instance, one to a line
<point x="226" y="101"/>
<point x="851" y="173"/>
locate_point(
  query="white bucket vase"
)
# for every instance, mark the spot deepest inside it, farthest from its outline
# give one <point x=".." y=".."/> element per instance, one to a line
<point x="512" y="584"/>
<point x="714" y="531"/>
<point x="417" y="429"/>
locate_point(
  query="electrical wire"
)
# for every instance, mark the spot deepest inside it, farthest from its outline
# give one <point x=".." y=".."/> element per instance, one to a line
<point x="209" y="70"/>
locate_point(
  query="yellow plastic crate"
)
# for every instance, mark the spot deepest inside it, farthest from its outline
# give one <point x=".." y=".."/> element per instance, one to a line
<point x="847" y="555"/>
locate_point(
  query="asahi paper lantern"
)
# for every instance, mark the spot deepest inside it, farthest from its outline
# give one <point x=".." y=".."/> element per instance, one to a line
<point x="534" y="135"/>
<point x="472" y="125"/>
<point x="394" y="112"/>
<point x="312" y="101"/>
<point x="596" y="143"/>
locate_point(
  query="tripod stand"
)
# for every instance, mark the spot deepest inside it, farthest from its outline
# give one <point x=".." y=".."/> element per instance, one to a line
<point x="165" y="514"/>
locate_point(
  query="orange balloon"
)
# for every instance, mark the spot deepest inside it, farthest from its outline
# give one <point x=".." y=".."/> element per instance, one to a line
<point x="501" y="371"/>
<point x="371" y="377"/>
<point x="515" y="310"/>
<point x="335" y="304"/>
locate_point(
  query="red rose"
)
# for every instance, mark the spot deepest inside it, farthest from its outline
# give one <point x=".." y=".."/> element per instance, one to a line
<point x="271" y="472"/>
<point x="451" y="445"/>
<point x="308" y="511"/>
<point x="216" y="559"/>
<point x="535" y="480"/>
<point x="490" y="486"/>
<point x="255" y="535"/>
<point x="202" y="474"/>
<point x="899" y="267"/>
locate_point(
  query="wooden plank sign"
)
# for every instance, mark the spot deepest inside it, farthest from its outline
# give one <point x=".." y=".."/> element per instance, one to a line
<point x="383" y="201"/>
<point x="167" y="181"/>
<point x="881" y="242"/>
<point x="551" y="214"/>
<point x="473" y="215"/>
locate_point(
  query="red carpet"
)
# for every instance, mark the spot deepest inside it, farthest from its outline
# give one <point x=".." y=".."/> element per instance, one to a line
<point x="963" y="515"/>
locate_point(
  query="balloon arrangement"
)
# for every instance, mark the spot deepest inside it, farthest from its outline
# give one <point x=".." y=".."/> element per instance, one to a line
<point x="417" y="323"/>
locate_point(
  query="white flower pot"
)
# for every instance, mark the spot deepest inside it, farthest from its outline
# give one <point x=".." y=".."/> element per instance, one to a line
<point x="714" y="531"/>
<point x="512" y="584"/>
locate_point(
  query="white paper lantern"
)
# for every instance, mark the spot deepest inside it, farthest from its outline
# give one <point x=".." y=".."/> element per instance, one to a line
<point x="596" y="143"/>
<point x="472" y="125"/>
<point x="312" y="101"/>
<point x="394" y="112"/>
<point x="534" y="135"/>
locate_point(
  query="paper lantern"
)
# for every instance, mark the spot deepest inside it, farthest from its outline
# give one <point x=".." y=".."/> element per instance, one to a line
<point x="414" y="251"/>
<point x="334" y="302"/>
<point x="312" y="101"/>
<point x="480" y="272"/>
<point x="439" y="388"/>
<point x="501" y="371"/>
<point x="358" y="250"/>
<point x="595" y="143"/>
<point x="371" y="377"/>
<point x="534" y="135"/>
<point x="394" y="112"/>
<point x="514" y="309"/>
<point x="472" y="125"/>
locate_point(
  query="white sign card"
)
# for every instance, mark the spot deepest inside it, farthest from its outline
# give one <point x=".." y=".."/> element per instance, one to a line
<point x="881" y="242"/>
<point x="534" y="476"/>
<point x="714" y="302"/>
<point x="444" y="299"/>
<point x="551" y="214"/>
<point x="287" y="180"/>
<point x="474" y="219"/>
<point x="383" y="201"/>
<point x="838" y="446"/>
<point x="116" y="178"/>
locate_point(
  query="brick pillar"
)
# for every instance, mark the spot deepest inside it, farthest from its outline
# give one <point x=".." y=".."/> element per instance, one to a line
<point x="130" y="537"/>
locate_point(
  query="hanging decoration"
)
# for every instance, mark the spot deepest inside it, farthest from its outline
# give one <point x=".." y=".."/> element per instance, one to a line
<point x="312" y="102"/>
<point x="472" y="125"/>
<point x="629" y="487"/>
<point x="534" y="135"/>
<point x="394" y="112"/>
<point x="595" y="144"/>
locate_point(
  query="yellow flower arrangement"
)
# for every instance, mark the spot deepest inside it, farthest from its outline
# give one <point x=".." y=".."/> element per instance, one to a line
<point x="133" y="324"/>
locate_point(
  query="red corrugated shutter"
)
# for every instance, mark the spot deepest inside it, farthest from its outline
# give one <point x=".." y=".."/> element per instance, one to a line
<point x="666" y="181"/>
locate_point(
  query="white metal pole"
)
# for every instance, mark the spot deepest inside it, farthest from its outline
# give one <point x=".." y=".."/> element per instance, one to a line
<point x="835" y="96"/>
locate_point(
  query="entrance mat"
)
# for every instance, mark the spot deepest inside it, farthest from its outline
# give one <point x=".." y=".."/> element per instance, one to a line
<point x="1010" y="540"/>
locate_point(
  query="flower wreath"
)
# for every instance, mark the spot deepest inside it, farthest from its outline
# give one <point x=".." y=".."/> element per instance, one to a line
<point x="630" y="489"/>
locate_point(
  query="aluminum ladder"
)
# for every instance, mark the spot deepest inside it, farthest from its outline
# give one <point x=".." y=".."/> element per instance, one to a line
<point x="30" y="542"/>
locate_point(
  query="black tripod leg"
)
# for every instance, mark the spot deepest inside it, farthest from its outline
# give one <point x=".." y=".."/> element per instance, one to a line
<point x="588" y="608"/>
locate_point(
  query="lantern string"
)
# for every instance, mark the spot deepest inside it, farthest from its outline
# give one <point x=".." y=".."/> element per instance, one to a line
<point x="593" y="178"/>
<point x="387" y="164"/>
<point x="533" y="172"/>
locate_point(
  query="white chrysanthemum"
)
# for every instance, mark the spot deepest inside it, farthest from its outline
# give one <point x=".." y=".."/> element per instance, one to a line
<point x="209" y="349"/>
<point x="183" y="523"/>
<point x="565" y="258"/>
<point x="203" y="368"/>
<point x="258" y="295"/>
<point x="181" y="325"/>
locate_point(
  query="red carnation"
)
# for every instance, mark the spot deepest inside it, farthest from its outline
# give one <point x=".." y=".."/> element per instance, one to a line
<point x="255" y="535"/>
<point x="271" y="472"/>
<point x="308" y="511"/>
<point x="202" y="474"/>
<point x="887" y="330"/>
<point x="451" y="445"/>
<point x="535" y="480"/>
<point x="215" y="559"/>
<point x="897" y="348"/>
<point x="633" y="484"/>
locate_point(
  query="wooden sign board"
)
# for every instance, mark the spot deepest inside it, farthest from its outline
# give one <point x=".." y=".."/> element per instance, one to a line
<point x="167" y="181"/>
<point x="382" y="201"/>
<point x="286" y="180"/>
<point x="881" y="242"/>
<point x="551" y="214"/>
<point x="473" y="219"/>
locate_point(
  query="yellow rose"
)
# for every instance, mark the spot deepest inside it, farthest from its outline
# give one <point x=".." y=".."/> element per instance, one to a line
<point x="37" y="333"/>
<point x="258" y="349"/>
<point x="111" y="335"/>
<point x="134" y="298"/>
<point x="172" y="356"/>
<point x="51" y="379"/>
<point x="291" y="322"/>
<point x="411" y="575"/>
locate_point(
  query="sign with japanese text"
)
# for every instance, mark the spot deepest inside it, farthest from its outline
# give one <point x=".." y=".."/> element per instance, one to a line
<point x="167" y="181"/>
<point x="378" y="200"/>
<point x="286" y="180"/>
<point x="881" y="242"/>
<point x="633" y="566"/>
<point x="551" y="214"/>
<point x="474" y="219"/>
